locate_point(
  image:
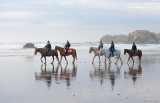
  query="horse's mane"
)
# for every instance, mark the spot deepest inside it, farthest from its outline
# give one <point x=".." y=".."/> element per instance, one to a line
<point x="94" y="48"/>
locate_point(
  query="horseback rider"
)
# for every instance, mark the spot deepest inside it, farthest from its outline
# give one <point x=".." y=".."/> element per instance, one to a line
<point x="48" y="47"/>
<point x="67" y="46"/>
<point x="112" y="48"/>
<point x="134" y="48"/>
<point x="100" y="45"/>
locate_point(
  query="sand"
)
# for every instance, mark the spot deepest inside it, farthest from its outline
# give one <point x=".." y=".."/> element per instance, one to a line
<point x="24" y="79"/>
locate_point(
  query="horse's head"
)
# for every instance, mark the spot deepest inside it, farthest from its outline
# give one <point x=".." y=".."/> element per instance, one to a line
<point x="36" y="51"/>
<point x="56" y="48"/>
<point x="90" y="49"/>
<point x="125" y="50"/>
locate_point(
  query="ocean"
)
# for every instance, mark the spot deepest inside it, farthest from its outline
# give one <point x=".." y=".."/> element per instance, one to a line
<point x="16" y="49"/>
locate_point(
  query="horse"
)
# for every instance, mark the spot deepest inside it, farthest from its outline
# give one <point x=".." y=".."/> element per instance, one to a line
<point x="116" y="53"/>
<point x="42" y="51"/>
<point x="131" y="54"/>
<point x="96" y="53"/>
<point x="63" y="53"/>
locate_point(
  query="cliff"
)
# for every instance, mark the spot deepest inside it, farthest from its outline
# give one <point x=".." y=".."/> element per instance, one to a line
<point x="138" y="36"/>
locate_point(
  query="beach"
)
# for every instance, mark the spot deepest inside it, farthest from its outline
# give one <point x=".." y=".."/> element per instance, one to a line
<point x="24" y="79"/>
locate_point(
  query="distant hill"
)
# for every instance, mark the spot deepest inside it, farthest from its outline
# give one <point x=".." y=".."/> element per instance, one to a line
<point x="138" y="36"/>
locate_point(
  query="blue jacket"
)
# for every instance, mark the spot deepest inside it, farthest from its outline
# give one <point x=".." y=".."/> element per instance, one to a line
<point x="112" y="45"/>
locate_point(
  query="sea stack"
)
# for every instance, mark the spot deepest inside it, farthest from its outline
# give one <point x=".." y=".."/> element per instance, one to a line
<point x="29" y="45"/>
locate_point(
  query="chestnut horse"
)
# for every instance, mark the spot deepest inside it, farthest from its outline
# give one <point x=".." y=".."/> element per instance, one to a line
<point x="63" y="53"/>
<point x="42" y="51"/>
<point x="131" y="54"/>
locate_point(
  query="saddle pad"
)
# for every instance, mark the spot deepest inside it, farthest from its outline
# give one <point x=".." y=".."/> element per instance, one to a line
<point x="69" y="51"/>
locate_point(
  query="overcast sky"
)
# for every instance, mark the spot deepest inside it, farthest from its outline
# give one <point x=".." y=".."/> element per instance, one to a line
<point x="75" y="20"/>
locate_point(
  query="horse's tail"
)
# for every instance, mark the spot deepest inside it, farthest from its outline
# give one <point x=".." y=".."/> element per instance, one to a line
<point x="76" y="55"/>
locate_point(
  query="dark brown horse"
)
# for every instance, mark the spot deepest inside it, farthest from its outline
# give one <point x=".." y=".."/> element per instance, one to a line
<point x="63" y="53"/>
<point x="131" y="54"/>
<point x="43" y="54"/>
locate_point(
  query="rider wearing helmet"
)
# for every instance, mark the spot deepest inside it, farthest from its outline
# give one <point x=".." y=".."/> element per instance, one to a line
<point x="48" y="47"/>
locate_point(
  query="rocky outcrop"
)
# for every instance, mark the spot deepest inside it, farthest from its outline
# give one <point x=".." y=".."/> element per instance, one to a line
<point x="143" y="37"/>
<point x="29" y="45"/>
<point x="115" y="38"/>
<point x="158" y="36"/>
<point x="138" y="36"/>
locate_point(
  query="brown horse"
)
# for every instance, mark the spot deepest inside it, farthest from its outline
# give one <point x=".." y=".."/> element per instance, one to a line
<point x="63" y="53"/>
<point x="43" y="54"/>
<point x="131" y="54"/>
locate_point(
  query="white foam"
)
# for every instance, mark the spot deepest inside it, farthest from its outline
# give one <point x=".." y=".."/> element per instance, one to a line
<point x="17" y="48"/>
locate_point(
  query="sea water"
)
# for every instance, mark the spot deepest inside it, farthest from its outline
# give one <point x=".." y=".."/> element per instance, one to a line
<point x="16" y="49"/>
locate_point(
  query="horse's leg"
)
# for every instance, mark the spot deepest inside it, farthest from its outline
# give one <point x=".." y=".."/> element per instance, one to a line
<point x="45" y="59"/>
<point x="105" y="59"/>
<point x="57" y="59"/>
<point x="109" y="60"/>
<point x="61" y="59"/>
<point x="121" y="60"/>
<point x="41" y="59"/>
<point x="73" y="58"/>
<point x="93" y="59"/>
<point x="66" y="59"/>
<point x="53" y="59"/>
<point x="117" y="60"/>
<point x="99" y="58"/>
<point x="133" y="60"/>
<point x="128" y="59"/>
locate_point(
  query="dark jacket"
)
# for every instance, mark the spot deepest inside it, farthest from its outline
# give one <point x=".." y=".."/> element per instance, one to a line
<point x="134" y="47"/>
<point x="112" y="45"/>
<point x="67" y="45"/>
<point x="48" y="46"/>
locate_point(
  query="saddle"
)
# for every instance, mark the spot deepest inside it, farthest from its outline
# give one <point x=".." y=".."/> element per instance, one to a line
<point x="69" y="51"/>
<point x="115" y="50"/>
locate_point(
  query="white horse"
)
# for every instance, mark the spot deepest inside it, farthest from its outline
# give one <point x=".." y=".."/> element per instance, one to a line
<point x="107" y="53"/>
<point x="96" y="53"/>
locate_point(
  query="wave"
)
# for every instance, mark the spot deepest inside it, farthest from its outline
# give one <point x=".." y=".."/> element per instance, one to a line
<point x="79" y="46"/>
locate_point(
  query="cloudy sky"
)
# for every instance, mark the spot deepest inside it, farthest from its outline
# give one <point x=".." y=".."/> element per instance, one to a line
<point x="75" y="20"/>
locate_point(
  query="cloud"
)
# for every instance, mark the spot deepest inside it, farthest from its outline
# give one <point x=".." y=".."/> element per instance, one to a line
<point x="15" y="14"/>
<point x="87" y="18"/>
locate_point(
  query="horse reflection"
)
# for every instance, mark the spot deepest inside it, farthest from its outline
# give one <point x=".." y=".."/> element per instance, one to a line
<point x="56" y="75"/>
<point x="98" y="73"/>
<point x="45" y="75"/>
<point x="105" y="73"/>
<point x="66" y="75"/>
<point x="133" y="72"/>
<point x="113" y="74"/>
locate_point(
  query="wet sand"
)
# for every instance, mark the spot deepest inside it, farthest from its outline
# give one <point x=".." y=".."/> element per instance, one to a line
<point x="24" y="79"/>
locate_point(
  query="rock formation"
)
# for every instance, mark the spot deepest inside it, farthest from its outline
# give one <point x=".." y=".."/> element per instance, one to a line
<point x="29" y="45"/>
<point x="138" y="36"/>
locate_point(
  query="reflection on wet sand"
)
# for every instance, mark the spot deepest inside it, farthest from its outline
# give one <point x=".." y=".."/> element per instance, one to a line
<point x="133" y="72"/>
<point x="58" y="74"/>
<point x="105" y="73"/>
